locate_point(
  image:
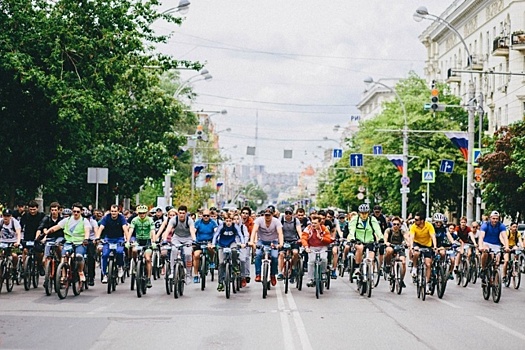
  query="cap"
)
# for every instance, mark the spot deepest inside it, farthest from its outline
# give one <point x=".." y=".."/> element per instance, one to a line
<point x="288" y="209"/>
<point x="341" y="215"/>
<point x="7" y="212"/>
<point x="270" y="209"/>
<point x="158" y="209"/>
<point x="377" y="207"/>
<point x="494" y="213"/>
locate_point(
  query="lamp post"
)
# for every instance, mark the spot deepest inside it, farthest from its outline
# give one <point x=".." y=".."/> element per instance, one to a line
<point x="422" y="13"/>
<point x="204" y="74"/>
<point x="182" y="8"/>
<point x="404" y="185"/>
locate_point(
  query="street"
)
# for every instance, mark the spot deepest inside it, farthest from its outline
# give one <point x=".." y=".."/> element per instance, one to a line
<point x="340" y="319"/>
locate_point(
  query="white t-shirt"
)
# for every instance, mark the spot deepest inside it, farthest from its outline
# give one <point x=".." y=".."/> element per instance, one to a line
<point x="8" y="233"/>
<point x="268" y="233"/>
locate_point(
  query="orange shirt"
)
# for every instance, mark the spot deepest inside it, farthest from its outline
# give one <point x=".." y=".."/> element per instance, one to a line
<point x="309" y="237"/>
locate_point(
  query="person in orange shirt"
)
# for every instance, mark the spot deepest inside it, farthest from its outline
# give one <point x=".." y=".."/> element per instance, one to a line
<point x="314" y="239"/>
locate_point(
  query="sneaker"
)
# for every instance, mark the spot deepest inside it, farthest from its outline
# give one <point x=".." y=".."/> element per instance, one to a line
<point x="403" y="285"/>
<point x="41" y="271"/>
<point x="356" y="274"/>
<point x="310" y="283"/>
<point x="248" y="279"/>
<point x="292" y="279"/>
<point x="81" y="275"/>
<point x="196" y="279"/>
<point x="258" y="278"/>
<point x="148" y="284"/>
<point x="236" y="269"/>
<point x="450" y="276"/>
<point x="334" y="275"/>
<point x="273" y="280"/>
<point x="170" y="276"/>
<point x="428" y="288"/>
<point x="120" y="272"/>
<point x="187" y="280"/>
<point x="243" y="282"/>
<point x="220" y="287"/>
<point x="413" y="272"/>
<point x="91" y="282"/>
<point x="280" y="277"/>
<point x="504" y="279"/>
<point x="212" y="265"/>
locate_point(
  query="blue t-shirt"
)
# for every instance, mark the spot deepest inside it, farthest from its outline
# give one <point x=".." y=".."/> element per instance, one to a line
<point x="113" y="228"/>
<point x="205" y="230"/>
<point x="492" y="232"/>
<point x="225" y="236"/>
<point x="441" y="235"/>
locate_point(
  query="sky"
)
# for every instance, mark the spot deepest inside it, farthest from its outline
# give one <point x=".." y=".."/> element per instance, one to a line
<point x="292" y="69"/>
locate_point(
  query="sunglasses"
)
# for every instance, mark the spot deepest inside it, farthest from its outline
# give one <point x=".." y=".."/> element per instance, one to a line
<point x="205" y="216"/>
<point x="288" y="212"/>
<point x="76" y="211"/>
<point x="396" y="224"/>
<point x="245" y="212"/>
<point x="267" y="214"/>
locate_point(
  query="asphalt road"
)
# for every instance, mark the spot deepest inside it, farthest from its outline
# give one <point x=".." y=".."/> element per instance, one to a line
<point x="340" y="319"/>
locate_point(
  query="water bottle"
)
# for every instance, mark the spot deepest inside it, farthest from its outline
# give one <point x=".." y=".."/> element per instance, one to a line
<point x="409" y="264"/>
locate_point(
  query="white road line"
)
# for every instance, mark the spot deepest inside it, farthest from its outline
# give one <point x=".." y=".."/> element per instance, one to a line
<point x="502" y="327"/>
<point x="301" y="330"/>
<point x="285" y="321"/>
<point x="449" y="304"/>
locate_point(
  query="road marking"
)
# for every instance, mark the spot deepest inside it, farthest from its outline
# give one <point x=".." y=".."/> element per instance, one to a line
<point x="285" y="322"/>
<point x="502" y="327"/>
<point x="301" y="329"/>
<point x="449" y="304"/>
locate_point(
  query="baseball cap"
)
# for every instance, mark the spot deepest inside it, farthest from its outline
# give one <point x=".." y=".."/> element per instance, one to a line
<point x="270" y="209"/>
<point x="341" y="215"/>
<point x="494" y="213"/>
<point x="288" y="209"/>
<point x="7" y="212"/>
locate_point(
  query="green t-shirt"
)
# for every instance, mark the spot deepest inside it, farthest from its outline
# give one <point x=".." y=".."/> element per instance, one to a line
<point x="142" y="228"/>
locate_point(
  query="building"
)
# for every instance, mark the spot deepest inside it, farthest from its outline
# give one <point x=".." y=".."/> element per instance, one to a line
<point x="494" y="33"/>
<point x="374" y="97"/>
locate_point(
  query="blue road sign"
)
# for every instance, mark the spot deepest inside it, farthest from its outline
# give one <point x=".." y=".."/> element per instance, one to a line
<point x="378" y="149"/>
<point x="428" y="176"/>
<point x="338" y="153"/>
<point x="356" y="159"/>
<point x="446" y="166"/>
<point x="476" y="154"/>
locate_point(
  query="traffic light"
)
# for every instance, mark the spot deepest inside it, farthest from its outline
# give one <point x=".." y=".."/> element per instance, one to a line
<point x="199" y="133"/>
<point x="434" y="99"/>
<point x="424" y="197"/>
<point x="477" y="174"/>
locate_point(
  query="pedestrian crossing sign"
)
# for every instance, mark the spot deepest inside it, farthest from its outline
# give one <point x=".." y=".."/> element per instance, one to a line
<point x="428" y="176"/>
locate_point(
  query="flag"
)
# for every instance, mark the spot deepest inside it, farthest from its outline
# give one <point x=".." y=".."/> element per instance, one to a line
<point x="219" y="185"/>
<point x="460" y="140"/>
<point x="197" y="170"/>
<point x="397" y="160"/>
<point x="208" y="177"/>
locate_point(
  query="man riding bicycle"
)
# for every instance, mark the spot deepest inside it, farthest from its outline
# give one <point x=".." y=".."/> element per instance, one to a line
<point x="204" y="230"/>
<point x="492" y="236"/>
<point x="144" y="229"/>
<point x="292" y="234"/>
<point x="314" y="239"/>
<point x="396" y="236"/>
<point x="422" y="235"/>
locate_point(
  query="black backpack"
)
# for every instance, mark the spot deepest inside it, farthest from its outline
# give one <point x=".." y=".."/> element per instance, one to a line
<point x="186" y="221"/>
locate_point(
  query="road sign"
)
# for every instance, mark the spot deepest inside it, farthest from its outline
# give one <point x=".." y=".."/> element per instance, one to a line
<point x="378" y="149"/>
<point x="429" y="176"/>
<point x="404" y="190"/>
<point x="360" y="196"/>
<point x="337" y="153"/>
<point x="476" y="154"/>
<point x="446" y="166"/>
<point x="405" y="180"/>
<point x="356" y="159"/>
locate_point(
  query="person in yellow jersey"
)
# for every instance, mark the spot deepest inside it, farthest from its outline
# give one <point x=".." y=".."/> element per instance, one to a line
<point x="422" y="235"/>
<point x="515" y="240"/>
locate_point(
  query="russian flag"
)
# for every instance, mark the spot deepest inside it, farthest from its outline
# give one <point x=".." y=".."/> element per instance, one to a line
<point x="197" y="170"/>
<point x="397" y="160"/>
<point x="219" y="185"/>
<point x="208" y="177"/>
<point x="460" y="140"/>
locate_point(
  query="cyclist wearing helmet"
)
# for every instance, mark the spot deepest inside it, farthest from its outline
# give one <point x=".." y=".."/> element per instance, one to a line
<point x="144" y="229"/>
<point x="67" y="212"/>
<point x="443" y="238"/>
<point x="492" y="236"/>
<point x="422" y="235"/>
<point x="364" y="230"/>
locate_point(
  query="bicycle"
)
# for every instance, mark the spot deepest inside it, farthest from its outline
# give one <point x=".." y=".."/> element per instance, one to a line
<point x="321" y="278"/>
<point x="365" y="279"/>
<point x="463" y="274"/>
<point x="421" y="274"/>
<point x="299" y="270"/>
<point x="67" y="274"/>
<point x="439" y="274"/>
<point x="514" y="269"/>
<point x="204" y="265"/>
<point x="179" y="271"/>
<point x="376" y="269"/>
<point x="168" y="281"/>
<point x="7" y="275"/>
<point x="350" y="258"/>
<point x="50" y="268"/>
<point x="231" y="271"/>
<point x="30" y="272"/>
<point x="491" y="278"/>
<point x="395" y="274"/>
<point x="112" y="269"/>
<point x="156" y="264"/>
<point x="287" y="268"/>
<point x="341" y="263"/>
<point x="266" y="263"/>
<point x="139" y="278"/>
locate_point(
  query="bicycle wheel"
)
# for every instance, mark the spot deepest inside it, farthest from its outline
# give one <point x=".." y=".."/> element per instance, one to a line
<point x="133" y="273"/>
<point x="176" y="283"/>
<point x="341" y="267"/>
<point x="422" y="282"/>
<point x="265" y="281"/>
<point x="328" y="279"/>
<point x="138" y="277"/>
<point x="110" y="276"/>
<point x="351" y="266"/>
<point x="465" y="275"/>
<point x="508" y="276"/>
<point x="376" y="276"/>
<point x="234" y="281"/>
<point x="2" y="274"/>
<point x="26" y="272"/>
<point x="371" y="279"/>
<point x="392" y="277"/>
<point x="227" y="279"/>
<point x="398" y="273"/>
<point x="18" y="276"/>
<point x="442" y="279"/>
<point x="154" y="265"/>
<point x="299" y="273"/>
<point x="35" y="274"/>
<point x="361" y="280"/>
<point x="516" y="274"/>
<point x="76" y="284"/>
<point x="61" y="280"/>
<point x="168" y="281"/>
<point x="474" y="269"/>
<point x="287" y="270"/>
<point x="212" y="271"/>
<point x="317" y="277"/>
<point x="48" y="277"/>
<point x="486" y="286"/>
<point x="114" y="273"/>
<point x="144" y="279"/>
<point x="496" y="286"/>
<point x="9" y="281"/>
<point x="182" y="278"/>
<point x="202" y="270"/>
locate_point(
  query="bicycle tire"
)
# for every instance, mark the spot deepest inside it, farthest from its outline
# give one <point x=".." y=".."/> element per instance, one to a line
<point x="516" y="274"/>
<point x="227" y="279"/>
<point x="487" y="287"/>
<point x="61" y="280"/>
<point x="441" y="283"/>
<point x="341" y="268"/>
<point x="35" y="274"/>
<point x="139" y="278"/>
<point x="376" y="276"/>
<point x="110" y="276"/>
<point x="317" y="278"/>
<point x="265" y="280"/>
<point x="351" y="267"/>
<point x="287" y="272"/>
<point x="182" y="279"/>
<point x="176" y="278"/>
<point x="168" y="281"/>
<point x="474" y="268"/>
<point x="9" y="281"/>
<point x="144" y="279"/>
<point x="328" y="279"/>
<point x="496" y="286"/>
<point x="361" y="281"/>
<point x="508" y="275"/>
<point x="370" y="280"/>
<point x="18" y="276"/>
<point x="423" y="281"/>
<point x="393" y="278"/>
<point x="154" y="264"/>
<point x="114" y="274"/>
<point x="48" y="277"/>
<point x="202" y="270"/>
<point x="465" y="268"/>
<point x="399" y="280"/>
<point x="321" y="289"/>
<point x="233" y="281"/>
<point x="2" y="274"/>
<point x="26" y="272"/>
<point x="76" y="284"/>
<point x="133" y="273"/>
<point x="299" y="273"/>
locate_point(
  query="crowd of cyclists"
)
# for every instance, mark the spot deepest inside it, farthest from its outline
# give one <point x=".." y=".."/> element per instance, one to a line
<point x="296" y="239"/>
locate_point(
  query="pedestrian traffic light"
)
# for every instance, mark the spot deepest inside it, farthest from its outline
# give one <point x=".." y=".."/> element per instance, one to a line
<point x="199" y="132"/>
<point x="424" y="197"/>
<point x="434" y="99"/>
<point x="477" y="174"/>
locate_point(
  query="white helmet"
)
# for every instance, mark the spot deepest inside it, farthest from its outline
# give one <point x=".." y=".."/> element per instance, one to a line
<point x="439" y="217"/>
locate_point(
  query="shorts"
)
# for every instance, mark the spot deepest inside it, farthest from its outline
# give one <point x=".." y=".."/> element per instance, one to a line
<point x="428" y="254"/>
<point x="400" y="251"/>
<point x="80" y="250"/>
<point x="37" y="246"/>
<point x="494" y="247"/>
<point x="197" y="245"/>
<point x="293" y="245"/>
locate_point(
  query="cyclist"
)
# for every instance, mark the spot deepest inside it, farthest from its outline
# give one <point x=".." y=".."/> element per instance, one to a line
<point x="29" y="222"/>
<point x="291" y="234"/>
<point x="115" y="228"/>
<point x="204" y="230"/>
<point x="301" y="216"/>
<point x="396" y="235"/>
<point x="144" y="230"/>
<point x="163" y="250"/>
<point x="465" y="236"/>
<point x="11" y="232"/>
<point x="336" y="234"/>
<point x="422" y="235"/>
<point x="364" y="230"/>
<point x="383" y="224"/>
<point x="183" y="233"/>
<point x="267" y="230"/>
<point x="444" y="239"/>
<point x="76" y="232"/>
<point x="492" y="236"/>
<point x="314" y="239"/>
<point x="91" y="250"/>
<point x="158" y="219"/>
<point x="514" y="238"/>
<point x="247" y="220"/>
<point x="244" y="253"/>
<point x="227" y="235"/>
<point x="48" y="221"/>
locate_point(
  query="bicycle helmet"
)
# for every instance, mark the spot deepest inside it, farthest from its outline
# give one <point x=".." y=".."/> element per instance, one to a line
<point x="439" y="217"/>
<point x="67" y="211"/>
<point x="364" y="208"/>
<point x="142" y="209"/>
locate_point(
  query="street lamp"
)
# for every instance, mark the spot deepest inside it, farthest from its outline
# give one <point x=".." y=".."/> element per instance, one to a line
<point x="182" y="8"/>
<point x="404" y="185"/>
<point x="422" y="13"/>
<point x="203" y="74"/>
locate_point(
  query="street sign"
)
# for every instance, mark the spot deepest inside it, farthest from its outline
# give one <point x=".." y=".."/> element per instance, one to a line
<point x="97" y="176"/>
<point x="404" y="190"/>
<point x="362" y="189"/>
<point x="356" y="159"/>
<point x="378" y="149"/>
<point x="405" y="180"/>
<point x="446" y="166"/>
<point x="476" y="154"/>
<point x="360" y="196"/>
<point x="429" y="176"/>
<point x="338" y="153"/>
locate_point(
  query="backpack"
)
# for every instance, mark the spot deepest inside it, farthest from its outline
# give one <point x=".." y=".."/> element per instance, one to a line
<point x="295" y="220"/>
<point x="369" y="222"/>
<point x="186" y="221"/>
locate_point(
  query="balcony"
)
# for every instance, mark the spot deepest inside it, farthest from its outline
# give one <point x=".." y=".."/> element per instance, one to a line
<point x="453" y="77"/>
<point x="518" y="41"/>
<point x="500" y="46"/>
<point x="474" y="62"/>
